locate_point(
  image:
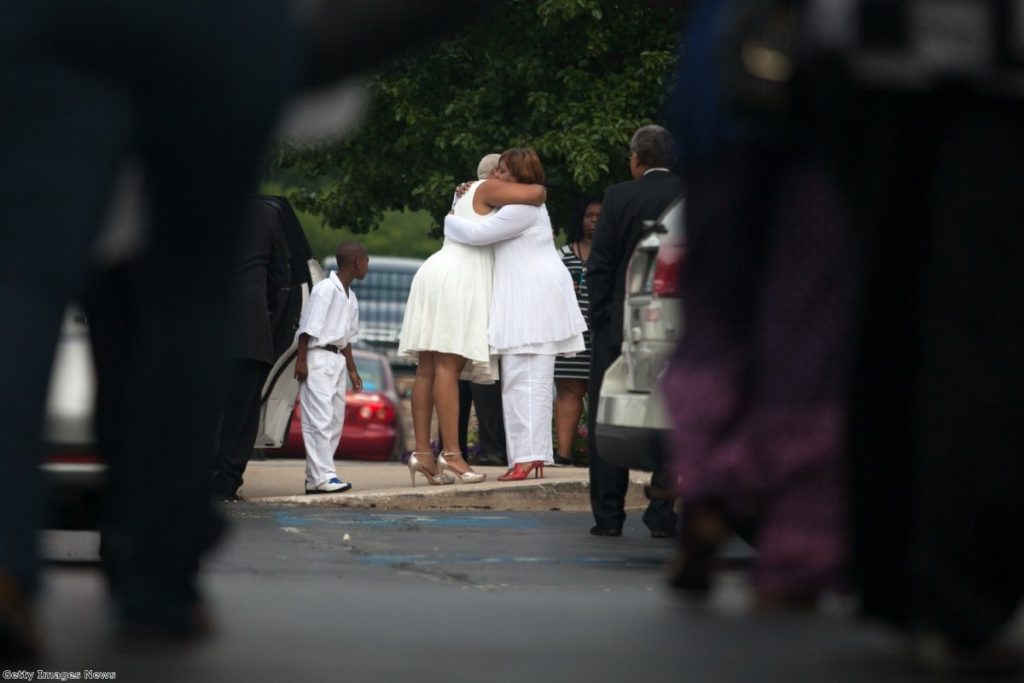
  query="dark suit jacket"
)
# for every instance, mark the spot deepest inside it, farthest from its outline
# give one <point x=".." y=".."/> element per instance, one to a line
<point x="261" y="271"/>
<point x="625" y="208"/>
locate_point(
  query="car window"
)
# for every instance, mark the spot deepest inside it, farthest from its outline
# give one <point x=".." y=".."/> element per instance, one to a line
<point x="371" y="373"/>
<point x="385" y="313"/>
<point x="384" y="285"/>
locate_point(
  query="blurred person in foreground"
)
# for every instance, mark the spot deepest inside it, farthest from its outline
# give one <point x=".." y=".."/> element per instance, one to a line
<point x="572" y="373"/>
<point x="81" y="90"/>
<point x="192" y="90"/>
<point x="625" y="208"/>
<point x="931" y="149"/>
<point x="909" y="214"/>
<point x="756" y="387"/>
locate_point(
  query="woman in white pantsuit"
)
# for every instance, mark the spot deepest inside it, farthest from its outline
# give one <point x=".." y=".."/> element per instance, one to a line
<point x="534" y="315"/>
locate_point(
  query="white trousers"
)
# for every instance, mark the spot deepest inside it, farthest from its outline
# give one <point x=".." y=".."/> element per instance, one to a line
<point x="526" y="395"/>
<point x="322" y="397"/>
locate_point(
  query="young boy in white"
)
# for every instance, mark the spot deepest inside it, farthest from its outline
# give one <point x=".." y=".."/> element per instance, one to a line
<point x="329" y="325"/>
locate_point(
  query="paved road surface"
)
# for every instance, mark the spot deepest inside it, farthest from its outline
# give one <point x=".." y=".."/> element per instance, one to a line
<point x="333" y="594"/>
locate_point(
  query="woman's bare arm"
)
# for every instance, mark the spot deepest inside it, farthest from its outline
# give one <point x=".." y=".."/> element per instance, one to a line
<point x="494" y="193"/>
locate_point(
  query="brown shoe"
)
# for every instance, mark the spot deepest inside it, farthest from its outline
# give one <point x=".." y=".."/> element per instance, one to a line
<point x="18" y="640"/>
<point x="704" y="531"/>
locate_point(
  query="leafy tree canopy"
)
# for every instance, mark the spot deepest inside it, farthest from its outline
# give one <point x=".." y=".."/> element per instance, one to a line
<point x="570" y="78"/>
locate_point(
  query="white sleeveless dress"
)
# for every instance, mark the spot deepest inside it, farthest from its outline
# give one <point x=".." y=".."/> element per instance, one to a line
<point x="450" y="300"/>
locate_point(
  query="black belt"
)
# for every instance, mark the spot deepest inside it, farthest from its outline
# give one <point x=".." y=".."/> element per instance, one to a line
<point x="330" y="347"/>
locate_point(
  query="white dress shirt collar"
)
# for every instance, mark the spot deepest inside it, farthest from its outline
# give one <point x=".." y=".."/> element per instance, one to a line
<point x="337" y="282"/>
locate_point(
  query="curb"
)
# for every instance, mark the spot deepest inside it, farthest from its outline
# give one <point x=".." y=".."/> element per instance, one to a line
<point x="513" y="496"/>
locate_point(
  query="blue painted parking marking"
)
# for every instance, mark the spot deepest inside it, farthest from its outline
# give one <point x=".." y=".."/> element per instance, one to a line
<point x="385" y="560"/>
<point x="291" y="519"/>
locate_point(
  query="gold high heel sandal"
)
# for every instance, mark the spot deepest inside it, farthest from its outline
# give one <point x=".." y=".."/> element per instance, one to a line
<point x="416" y="466"/>
<point x="467" y="477"/>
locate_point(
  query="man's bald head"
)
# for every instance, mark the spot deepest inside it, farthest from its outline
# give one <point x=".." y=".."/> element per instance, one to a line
<point x="347" y="253"/>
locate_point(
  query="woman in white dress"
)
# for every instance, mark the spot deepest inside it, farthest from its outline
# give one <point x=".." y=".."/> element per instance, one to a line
<point x="534" y="314"/>
<point x="445" y="328"/>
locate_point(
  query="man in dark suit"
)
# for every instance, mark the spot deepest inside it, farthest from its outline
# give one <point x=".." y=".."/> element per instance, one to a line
<point x="625" y="208"/>
<point x="261" y="277"/>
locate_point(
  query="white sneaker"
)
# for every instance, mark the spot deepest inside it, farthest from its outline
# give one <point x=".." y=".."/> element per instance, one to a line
<point x="332" y="485"/>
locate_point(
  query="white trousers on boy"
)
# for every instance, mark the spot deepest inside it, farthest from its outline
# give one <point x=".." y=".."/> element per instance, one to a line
<point x="322" y="398"/>
<point x="526" y="395"/>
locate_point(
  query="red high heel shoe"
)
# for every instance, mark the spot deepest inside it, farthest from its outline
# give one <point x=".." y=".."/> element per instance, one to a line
<point x="522" y="471"/>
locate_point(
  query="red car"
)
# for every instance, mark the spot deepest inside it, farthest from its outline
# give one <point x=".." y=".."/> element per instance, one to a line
<point x="373" y="421"/>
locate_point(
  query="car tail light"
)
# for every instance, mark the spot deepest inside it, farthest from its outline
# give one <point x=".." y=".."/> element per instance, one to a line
<point x="370" y="407"/>
<point x="666" y="270"/>
<point x="73" y="458"/>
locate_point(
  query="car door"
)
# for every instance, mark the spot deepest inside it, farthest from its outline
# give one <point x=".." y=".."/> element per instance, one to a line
<point x="652" y="316"/>
<point x="281" y="388"/>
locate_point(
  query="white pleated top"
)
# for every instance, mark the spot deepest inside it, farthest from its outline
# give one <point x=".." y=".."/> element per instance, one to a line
<point x="533" y="304"/>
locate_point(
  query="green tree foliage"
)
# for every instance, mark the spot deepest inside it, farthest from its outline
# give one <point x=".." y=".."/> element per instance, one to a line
<point x="571" y="78"/>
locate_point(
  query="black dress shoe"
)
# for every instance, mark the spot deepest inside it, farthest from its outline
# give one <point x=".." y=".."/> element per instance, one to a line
<point x="154" y="605"/>
<point x="598" y="530"/>
<point x="169" y="623"/>
<point x="663" y="533"/>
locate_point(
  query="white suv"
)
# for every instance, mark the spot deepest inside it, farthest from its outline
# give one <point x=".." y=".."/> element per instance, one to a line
<point x="631" y="417"/>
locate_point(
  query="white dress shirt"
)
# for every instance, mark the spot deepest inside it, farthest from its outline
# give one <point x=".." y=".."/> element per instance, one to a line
<point x="331" y="315"/>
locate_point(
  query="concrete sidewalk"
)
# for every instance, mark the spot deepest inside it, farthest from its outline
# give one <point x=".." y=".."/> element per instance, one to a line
<point x="386" y="486"/>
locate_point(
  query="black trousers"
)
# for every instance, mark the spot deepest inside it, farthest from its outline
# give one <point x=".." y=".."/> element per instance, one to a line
<point x="489" y="416"/>
<point x="240" y="418"/>
<point x="608" y="482"/>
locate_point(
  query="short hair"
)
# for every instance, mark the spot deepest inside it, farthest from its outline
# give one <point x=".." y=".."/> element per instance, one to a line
<point x="653" y="147"/>
<point x="574" y="231"/>
<point x="487" y="165"/>
<point x="524" y="164"/>
<point x="349" y="250"/>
